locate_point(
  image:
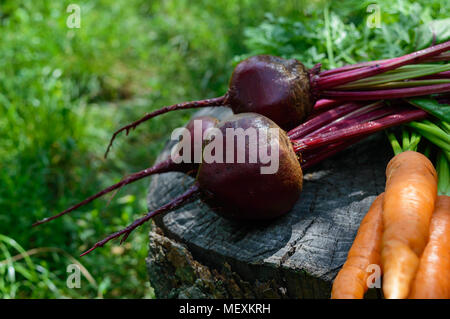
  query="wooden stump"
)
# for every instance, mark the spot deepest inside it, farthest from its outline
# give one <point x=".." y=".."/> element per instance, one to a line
<point x="196" y="254"/>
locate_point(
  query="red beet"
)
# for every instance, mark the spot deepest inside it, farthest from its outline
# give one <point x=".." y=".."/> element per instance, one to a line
<point x="239" y="190"/>
<point x="274" y="87"/>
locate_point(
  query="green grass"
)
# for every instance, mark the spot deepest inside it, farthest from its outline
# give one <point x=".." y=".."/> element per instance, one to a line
<point x="63" y="92"/>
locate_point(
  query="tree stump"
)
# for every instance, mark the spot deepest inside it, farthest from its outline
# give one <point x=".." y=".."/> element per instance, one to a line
<point x="194" y="253"/>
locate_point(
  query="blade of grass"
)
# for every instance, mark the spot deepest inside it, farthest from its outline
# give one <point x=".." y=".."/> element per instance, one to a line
<point x="35" y="251"/>
<point x="330" y="53"/>
<point x="11" y="242"/>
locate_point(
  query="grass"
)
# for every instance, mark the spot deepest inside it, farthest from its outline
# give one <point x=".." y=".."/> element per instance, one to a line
<point x="63" y="92"/>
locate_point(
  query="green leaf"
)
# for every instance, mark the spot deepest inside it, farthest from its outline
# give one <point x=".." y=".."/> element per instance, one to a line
<point x="434" y="32"/>
<point x="441" y="111"/>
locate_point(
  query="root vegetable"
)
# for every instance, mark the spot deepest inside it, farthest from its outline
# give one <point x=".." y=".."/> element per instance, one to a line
<point x="351" y="281"/>
<point x="432" y="279"/>
<point x="410" y="195"/>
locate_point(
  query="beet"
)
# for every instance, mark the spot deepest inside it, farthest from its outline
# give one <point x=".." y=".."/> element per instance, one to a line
<point x="239" y="190"/>
<point x="271" y="86"/>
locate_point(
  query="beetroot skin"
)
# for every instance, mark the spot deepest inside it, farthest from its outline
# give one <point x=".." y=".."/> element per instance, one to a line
<point x="271" y="86"/>
<point x="239" y="190"/>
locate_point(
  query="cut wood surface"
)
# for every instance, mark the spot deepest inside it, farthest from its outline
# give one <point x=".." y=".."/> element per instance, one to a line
<point x="297" y="255"/>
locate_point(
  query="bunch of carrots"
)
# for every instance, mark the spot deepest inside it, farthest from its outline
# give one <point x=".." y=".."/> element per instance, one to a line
<point x="406" y="232"/>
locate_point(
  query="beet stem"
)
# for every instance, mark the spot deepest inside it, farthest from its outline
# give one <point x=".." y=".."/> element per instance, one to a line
<point x="387" y="94"/>
<point x="361" y="115"/>
<point x="359" y="129"/>
<point x="326" y="82"/>
<point x="162" y="167"/>
<point x="175" y="203"/>
<point x="322" y="119"/>
<point x="310" y="160"/>
<point x="218" y="101"/>
<point x="323" y="105"/>
<point x="335" y="118"/>
<point x="437" y="58"/>
<point x="440" y="75"/>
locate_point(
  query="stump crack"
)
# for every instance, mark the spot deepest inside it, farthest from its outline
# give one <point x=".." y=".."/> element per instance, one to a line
<point x="293" y="245"/>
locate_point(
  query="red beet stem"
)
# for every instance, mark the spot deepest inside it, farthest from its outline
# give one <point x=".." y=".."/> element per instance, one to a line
<point x="350" y="67"/>
<point x="322" y="119"/>
<point x="325" y="104"/>
<point x="437" y="58"/>
<point x="330" y="81"/>
<point x="368" y="113"/>
<point x="309" y="160"/>
<point x="218" y="101"/>
<point x="387" y="94"/>
<point x="356" y="130"/>
<point x="440" y="75"/>
<point x="162" y="167"/>
<point x="175" y="203"/>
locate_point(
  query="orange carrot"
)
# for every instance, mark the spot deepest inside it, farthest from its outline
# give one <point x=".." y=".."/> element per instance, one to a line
<point x="409" y="199"/>
<point x="433" y="276"/>
<point x="351" y="281"/>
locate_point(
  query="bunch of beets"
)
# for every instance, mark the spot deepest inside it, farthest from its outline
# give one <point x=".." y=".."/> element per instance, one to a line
<point x="315" y="115"/>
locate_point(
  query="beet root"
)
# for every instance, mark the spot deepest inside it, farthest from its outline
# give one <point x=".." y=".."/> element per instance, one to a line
<point x="240" y="190"/>
<point x="271" y="86"/>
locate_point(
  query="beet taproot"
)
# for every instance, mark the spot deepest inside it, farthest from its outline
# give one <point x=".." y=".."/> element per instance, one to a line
<point x="271" y="86"/>
<point x="240" y="190"/>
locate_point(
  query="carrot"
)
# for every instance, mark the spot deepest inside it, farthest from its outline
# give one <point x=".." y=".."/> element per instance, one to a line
<point x="433" y="276"/>
<point x="409" y="199"/>
<point x="351" y="281"/>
